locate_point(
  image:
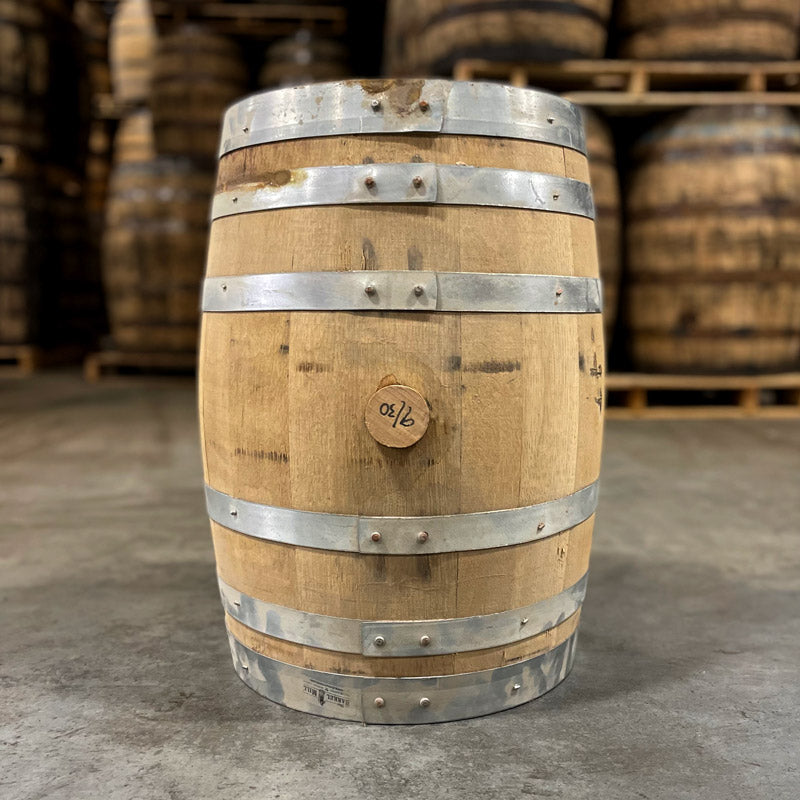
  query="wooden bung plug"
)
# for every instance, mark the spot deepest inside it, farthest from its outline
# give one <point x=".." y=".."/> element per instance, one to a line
<point x="397" y="416"/>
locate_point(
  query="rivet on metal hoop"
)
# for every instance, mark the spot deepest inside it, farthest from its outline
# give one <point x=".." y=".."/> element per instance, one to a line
<point x="370" y="290"/>
<point x="375" y="105"/>
<point x="516" y="687"/>
<point x="424" y="702"/>
<point x="379" y="702"/>
<point x="379" y="641"/>
<point x="422" y="536"/>
<point x="424" y="641"/>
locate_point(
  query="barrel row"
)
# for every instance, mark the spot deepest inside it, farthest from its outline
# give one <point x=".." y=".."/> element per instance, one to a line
<point x="424" y="37"/>
<point x="458" y="591"/>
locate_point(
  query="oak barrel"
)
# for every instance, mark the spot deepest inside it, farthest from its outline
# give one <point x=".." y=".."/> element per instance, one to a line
<point x="608" y="208"/>
<point x="303" y="58"/>
<point x="401" y="395"/>
<point x="196" y="75"/>
<point x="424" y="36"/>
<point x="131" y="49"/>
<point x="713" y="231"/>
<point x="709" y="29"/>
<point x="22" y="230"/>
<point x="153" y="252"/>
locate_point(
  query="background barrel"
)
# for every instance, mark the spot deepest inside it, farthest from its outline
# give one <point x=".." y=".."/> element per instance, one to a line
<point x="25" y="68"/>
<point x="608" y="208"/>
<point x="709" y="29"/>
<point x="714" y="242"/>
<point x="23" y="215"/>
<point x="514" y="399"/>
<point x="153" y="252"/>
<point x="303" y="58"/>
<point x="196" y="75"/>
<point x="425" y="37"/>
<point x="132" y="44"/>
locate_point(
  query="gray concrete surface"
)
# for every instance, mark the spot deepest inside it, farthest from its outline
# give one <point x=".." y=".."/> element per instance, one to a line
<point x="116" y="682"/>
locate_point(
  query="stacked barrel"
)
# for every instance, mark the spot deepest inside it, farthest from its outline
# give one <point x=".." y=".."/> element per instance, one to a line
<point x="713" y="279"/>
<point x="43" y="145"/>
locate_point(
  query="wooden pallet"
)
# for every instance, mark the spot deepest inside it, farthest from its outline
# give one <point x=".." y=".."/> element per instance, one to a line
<point x="18" y="360"/>
<point x="629" y="87"/>
<point x="630" y="396"/>
<point x="114" y="362"/>
<point x="263" y="20"/>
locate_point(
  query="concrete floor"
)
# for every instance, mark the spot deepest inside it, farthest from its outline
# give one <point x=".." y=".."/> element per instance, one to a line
<point x="115" y="675"/>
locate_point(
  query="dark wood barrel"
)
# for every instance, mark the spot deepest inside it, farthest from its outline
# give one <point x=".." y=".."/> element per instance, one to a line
<point x="303" y="58"/>
<point x="608" y="210"/>
<point x="25" y="73"/>
<point x="132" y="43"/>
<point x="401" y="391"/>
<point x="709" y="29"/>
<point x="153" y="253"/>
<point x="713" y="230"/>
<point x="92" y="21"/>
<point x="424" y="36"/>
<point x="196" y="76"/>
<point x="23" y="229"/>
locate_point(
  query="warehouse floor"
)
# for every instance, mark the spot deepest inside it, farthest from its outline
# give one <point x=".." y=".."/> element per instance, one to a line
<point x="115" y="674"/>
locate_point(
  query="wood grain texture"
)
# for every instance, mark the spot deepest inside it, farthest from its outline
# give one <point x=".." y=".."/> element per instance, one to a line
<point x="515" y="399"/>
<point x="131" y="48"/>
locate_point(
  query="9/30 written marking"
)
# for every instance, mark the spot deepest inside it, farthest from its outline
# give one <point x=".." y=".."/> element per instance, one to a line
<point x="402" y="417"/>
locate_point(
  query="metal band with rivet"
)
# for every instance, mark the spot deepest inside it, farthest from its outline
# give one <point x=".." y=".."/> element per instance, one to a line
<point x="403" y="701"/>
<point x="390" y="638"/>
<point x="403" y="290"/>
<point x="415" y="183"/>
<point x="447" y="533"/>
<point x="391" y="107"/>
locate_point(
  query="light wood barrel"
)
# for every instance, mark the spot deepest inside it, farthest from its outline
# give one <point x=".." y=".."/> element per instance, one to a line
<point x="197" y="75"/>
<point x="303" y="58"/>
<point x="424" y="36"/>
<point x="154" y="247"/>
<point x="131" y="48"/>
<point x="709" y="29"/>
<point x="22" y="231"/>
<point x="608" y="208"/>
<point x="401" y="395"/>
<point x="714" y="243"/>
<point x="134" y="142"/>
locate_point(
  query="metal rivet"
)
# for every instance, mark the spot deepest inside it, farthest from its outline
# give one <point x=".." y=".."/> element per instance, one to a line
<point x="245" y="130"/>
<point x="422" y="537"/>
<point x="244" y="666"/>
<point x="540" y="526"/>
<point x="379" y="641"/>
<point x="369" y="181"/>
<point x="376" y="536"/>
<point x="419" y="291"/>
<point x="375" y="104"/>
<point x="423" y="105"/>
<point x="559" y="291"/>
<point x="556" y="196"/>
<point x="224" y="287"/>
<point x="417" y="181"/>
<point x="370" y="290"/>
<point x="235" y="199"/>
<point x="524" y="621"/>
<point x="237" y="604"/>
<point x="234" y="512"/>
<point x="516" y="687"/>
<point x="424" y="702"/>
<point x="379" y="702"/>
<point x="551" y="120"/>
<point x="424" y="641"/>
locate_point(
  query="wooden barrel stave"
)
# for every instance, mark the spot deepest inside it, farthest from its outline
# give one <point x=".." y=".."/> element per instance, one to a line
<point x="132" y="44"/>
<point x="480" y="373"/>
